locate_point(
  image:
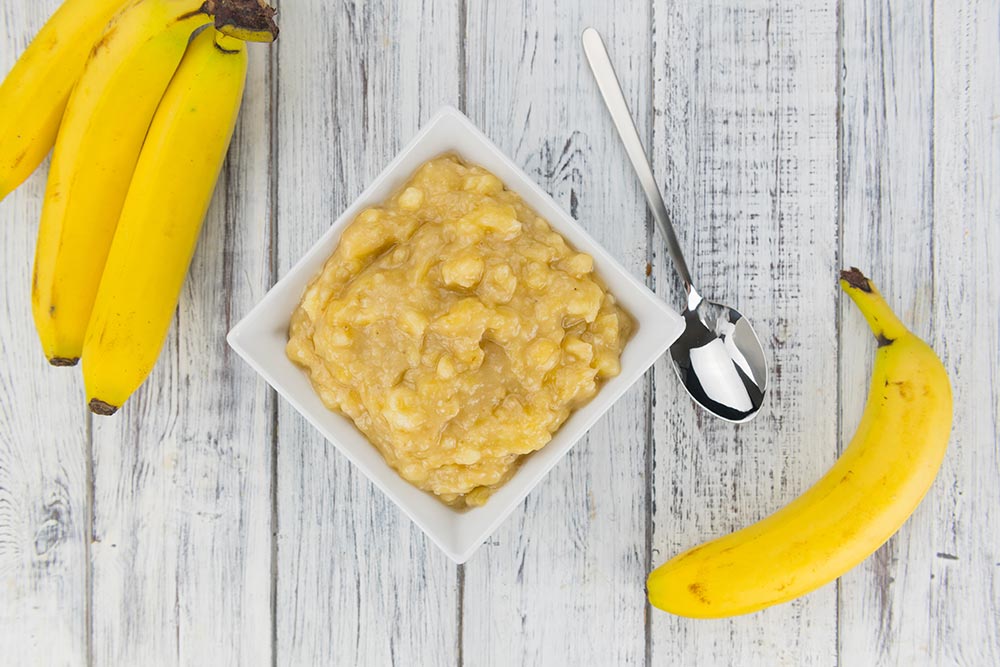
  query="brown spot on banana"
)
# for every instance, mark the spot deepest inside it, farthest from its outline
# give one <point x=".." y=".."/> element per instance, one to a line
<point x="905" y="389"/>
<point x="698" y="591"/>
<point x="19" y="158"/>
<point x="102" y="43"/>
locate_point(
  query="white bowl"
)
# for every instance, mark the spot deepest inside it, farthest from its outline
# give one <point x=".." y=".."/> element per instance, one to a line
<point x="260" y="338"/>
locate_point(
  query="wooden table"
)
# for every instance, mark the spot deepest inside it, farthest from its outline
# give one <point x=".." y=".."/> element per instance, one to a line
<point x="209" y="524"/>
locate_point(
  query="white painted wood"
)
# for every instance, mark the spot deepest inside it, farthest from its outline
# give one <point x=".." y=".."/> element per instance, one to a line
<point x="182" y="476"/>
<point x="740" y="102"/>
<point x="744" y="139"/>
<point x="44" y="522"/>
<point x="964" y="519"/>
<point x="887" y="217"/>
<point x="922" y="213"/>
<point x="358" y="583"/>
<point x="561" y="581"/>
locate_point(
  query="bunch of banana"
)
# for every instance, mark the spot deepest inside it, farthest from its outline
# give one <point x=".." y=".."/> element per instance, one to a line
<point x="860" y="503"/>
<point x="138" y="145"/>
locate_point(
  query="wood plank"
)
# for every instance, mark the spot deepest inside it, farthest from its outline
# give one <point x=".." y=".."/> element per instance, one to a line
<point x="561" y="581"/>
<point x="44" y="521"/>
<point x="887" y="216"/>
<point x="745" y="145"/>
<point x="182" y="477"/>
<point x="358" y="583"/>
<point x="921" y="97"/>
<point x="964" y="520"/>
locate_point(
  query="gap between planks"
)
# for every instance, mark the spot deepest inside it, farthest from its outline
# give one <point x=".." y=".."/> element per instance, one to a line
<point x="274" y="72"/>
<point x="839" y="64"/>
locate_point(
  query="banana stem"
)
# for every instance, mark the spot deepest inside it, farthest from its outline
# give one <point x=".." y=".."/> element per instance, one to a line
<point x="247" y="20"/>
<point x="883" y="322"/>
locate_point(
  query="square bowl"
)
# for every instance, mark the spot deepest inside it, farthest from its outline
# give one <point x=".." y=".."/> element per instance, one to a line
<point x="260" y="338"/>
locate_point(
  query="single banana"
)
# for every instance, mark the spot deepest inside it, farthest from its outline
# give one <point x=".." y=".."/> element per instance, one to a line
<point x="99" y="140"/>
<point x="859" y="504"/>
<point x="34" y="94"/>
<point x="161" y="219"/>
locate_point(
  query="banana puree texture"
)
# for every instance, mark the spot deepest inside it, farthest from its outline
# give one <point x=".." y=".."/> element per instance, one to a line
<point x="457" y="330"/>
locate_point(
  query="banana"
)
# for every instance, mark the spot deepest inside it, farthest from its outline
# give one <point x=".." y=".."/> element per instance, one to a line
<point x="161" y="219"/>
<point x="859" y="504"/>
<point x="95" y="154"/>
<point x="34" y="94"/>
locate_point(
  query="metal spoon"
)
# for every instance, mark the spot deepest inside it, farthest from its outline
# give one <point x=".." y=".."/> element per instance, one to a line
<point x="718" y="358"/>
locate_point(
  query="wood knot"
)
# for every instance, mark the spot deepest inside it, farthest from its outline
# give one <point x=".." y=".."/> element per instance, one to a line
<point x="52" y="531"/>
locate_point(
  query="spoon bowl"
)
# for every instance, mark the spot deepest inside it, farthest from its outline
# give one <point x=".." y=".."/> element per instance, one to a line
<point x="720" y="361"/>
<point x="718" y="358"/>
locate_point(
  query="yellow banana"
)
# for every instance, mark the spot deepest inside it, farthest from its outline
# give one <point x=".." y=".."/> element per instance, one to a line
<point x="161" y="219"/>
<point x="34" y="94"/>
<point x="859" y="504"/>
<point x="99" y="140"/>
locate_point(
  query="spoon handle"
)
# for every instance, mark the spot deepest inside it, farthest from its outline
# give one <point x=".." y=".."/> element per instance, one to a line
<point x="614" y="100"/>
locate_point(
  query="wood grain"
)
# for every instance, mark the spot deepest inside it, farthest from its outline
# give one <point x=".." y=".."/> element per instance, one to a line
<point x="887" y="165"/>
<point x="571" y="561"/>
<point x="358" y="583"/>
<point x="181" y="550"/>
<point x="44" y="522"/>
<point x="744" y="142"/>
<point x="790" y="137"/>
<point x="963" y="519"/>
<point x="920" y="91"/>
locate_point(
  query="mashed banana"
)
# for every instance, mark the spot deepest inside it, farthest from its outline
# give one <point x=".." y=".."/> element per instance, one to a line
<point x="457" y="330"/>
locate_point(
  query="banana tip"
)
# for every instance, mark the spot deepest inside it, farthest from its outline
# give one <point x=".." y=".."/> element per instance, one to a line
<point x="64" y="361"/>
<point x="248" y="20"/>
<point x="854" y="278"/>
<point x="99" y="407"/>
